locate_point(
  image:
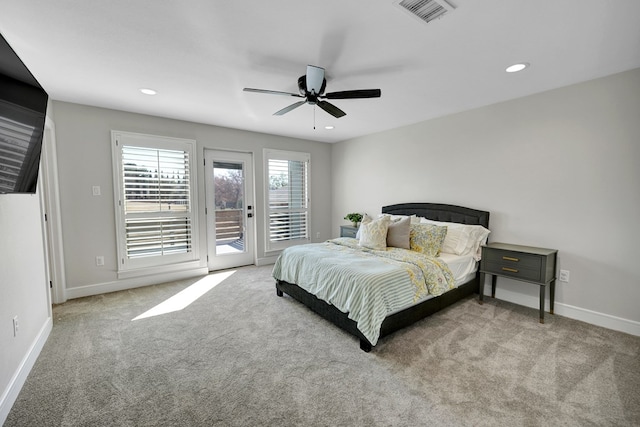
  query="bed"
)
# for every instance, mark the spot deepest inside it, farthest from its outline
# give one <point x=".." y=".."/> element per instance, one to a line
<point x="441" y="213"/>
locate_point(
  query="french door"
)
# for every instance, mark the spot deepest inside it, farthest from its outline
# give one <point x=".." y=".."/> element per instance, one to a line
<point x="230" y="209"/>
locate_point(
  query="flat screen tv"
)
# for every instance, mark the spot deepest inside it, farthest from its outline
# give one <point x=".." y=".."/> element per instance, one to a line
<point x="23" y="107"/>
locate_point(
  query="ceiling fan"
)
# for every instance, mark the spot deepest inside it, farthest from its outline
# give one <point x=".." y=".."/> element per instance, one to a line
<point x="312" y="86"/>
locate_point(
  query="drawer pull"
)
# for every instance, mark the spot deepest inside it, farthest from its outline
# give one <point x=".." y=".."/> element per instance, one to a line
<point x="511" y="270"/>
<point x="508" y="258"/>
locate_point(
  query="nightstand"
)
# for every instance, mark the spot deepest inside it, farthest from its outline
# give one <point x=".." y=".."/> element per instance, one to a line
<point x="524" y="263"/>
<point x="348" y="231"/>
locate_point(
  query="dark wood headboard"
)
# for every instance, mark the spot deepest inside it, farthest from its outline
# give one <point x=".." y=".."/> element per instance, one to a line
<point x="440" y="212"/>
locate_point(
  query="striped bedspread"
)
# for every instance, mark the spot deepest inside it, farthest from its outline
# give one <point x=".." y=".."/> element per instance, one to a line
<point x="366" y="284"/>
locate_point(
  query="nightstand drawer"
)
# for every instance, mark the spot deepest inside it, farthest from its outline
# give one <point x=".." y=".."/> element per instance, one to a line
<point x="512" y="259"/>
<point x="513" y="264"/>
<point x="514" y="269"/>
<point x="348" y="231"/>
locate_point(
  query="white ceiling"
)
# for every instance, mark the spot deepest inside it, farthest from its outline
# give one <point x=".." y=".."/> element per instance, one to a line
<point x="200" y="54"/>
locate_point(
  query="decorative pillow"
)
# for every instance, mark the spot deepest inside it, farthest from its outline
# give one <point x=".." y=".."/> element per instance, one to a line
<point x="373" y="233"/>
<point x="462" y="239"/>
<point x="427" y="238"/>
<point x="365" y="218"/>
<point x="398" y="235"/>
<point x="394" y="218"/>
<point x="457" y="237"/>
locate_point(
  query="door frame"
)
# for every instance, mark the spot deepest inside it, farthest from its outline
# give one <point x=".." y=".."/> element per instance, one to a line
<point x="52" y="222"/>
<point x="219" y="262"/>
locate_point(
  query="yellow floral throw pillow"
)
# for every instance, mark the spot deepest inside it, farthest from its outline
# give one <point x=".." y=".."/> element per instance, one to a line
<point x="427" y="238"/>
<point x="373" y="233"/>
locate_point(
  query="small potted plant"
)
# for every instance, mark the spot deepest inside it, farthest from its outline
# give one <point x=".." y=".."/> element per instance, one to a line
<point x="355" y="218"/>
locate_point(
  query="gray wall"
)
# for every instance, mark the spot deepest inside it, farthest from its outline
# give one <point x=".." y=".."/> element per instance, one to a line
<point x="557" y="169"/>
<point x="560" y="169"/>
<point x="84" y="160"/>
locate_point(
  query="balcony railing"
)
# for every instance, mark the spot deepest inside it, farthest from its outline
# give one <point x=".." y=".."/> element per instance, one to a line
<point x="229" y="225"/>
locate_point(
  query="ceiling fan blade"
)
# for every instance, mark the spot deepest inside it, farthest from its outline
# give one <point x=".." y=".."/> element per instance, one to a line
<point x="315" y="78"/>
<point x="331" y="109"/>
<point x="271" y="92"/>
<point x="289" y="108"/>
<point x="355" y="94"/>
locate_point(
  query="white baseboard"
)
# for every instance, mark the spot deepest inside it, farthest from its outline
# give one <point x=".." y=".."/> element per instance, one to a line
<point x="588" y="316"/>
<point x="17" y="381"/>
<point x="134" y="282"/>
<point x="266" y="260"/>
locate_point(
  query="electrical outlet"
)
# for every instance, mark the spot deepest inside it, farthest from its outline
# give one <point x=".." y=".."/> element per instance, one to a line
<point x="96" y="190"/>
<point x="318" y="235"/>
<point x="100" y="261"/>
<point x="564" y="276"/>
<point x="15" y="326"/>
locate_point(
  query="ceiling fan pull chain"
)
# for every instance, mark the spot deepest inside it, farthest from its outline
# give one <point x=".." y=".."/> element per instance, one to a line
<point x="314" y="117"/>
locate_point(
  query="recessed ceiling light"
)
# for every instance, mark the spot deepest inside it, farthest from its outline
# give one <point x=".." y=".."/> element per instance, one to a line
<point x="147" y="91"/>
<point x="517" y="67"/>
<point x="328" y="127"/>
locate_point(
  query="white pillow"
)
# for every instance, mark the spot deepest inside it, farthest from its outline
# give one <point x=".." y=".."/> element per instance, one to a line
<point x="373" y="233"/>
<point x="479" y="239"/>
<point x="394" y="218"/>
<point x="462" y="239"/>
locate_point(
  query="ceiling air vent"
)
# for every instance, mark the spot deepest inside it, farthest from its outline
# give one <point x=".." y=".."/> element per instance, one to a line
<point x="425" y="10"/>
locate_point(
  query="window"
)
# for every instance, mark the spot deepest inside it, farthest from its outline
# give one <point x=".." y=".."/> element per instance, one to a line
<point x="155" y="200"/>
<point x="287" y="195"/>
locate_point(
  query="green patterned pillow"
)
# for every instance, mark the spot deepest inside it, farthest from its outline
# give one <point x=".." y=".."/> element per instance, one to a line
<point x="427" y="238"/>
<point x="373" y="233"/>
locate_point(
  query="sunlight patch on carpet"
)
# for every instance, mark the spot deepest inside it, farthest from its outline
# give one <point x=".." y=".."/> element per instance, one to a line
<point x="186" y="296"/>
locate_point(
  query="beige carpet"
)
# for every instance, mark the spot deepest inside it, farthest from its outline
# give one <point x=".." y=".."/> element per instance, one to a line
<point x="241" y="356"/>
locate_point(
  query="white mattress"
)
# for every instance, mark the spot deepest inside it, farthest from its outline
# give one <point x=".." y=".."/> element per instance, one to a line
<point x="463" y="267"/>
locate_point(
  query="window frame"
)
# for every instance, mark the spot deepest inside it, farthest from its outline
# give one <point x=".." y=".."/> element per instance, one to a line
<point x="272" y="154"/>
<point x="132" y="267"/>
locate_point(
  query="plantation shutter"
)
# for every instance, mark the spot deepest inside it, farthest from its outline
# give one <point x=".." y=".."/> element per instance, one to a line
<point x="156" y="186"/>
<point x="157" y="216"/>
<point x="19" y="148"/>
<point x="15" y="139"/>
<point x="288" y="198"/>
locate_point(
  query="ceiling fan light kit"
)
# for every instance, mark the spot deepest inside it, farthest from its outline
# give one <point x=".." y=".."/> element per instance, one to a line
<point x="311" y="87"/>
